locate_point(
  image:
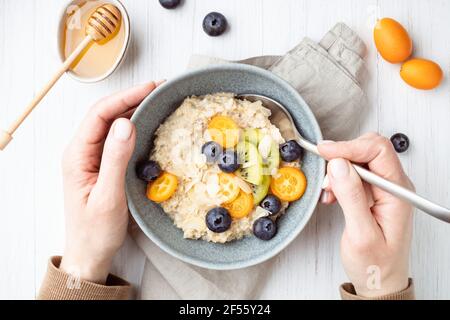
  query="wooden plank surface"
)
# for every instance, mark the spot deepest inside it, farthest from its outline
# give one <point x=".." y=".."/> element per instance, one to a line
<point x="32" y="224"/>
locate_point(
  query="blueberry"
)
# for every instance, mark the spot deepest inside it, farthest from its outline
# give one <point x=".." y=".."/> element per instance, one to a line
<point x="212" y="151"/>
<point x="400" y="142"/>
<point x="148" y="170"/>
<point x="271" y="203"/>
<point x="264" y="228"/>
<point x="228" y="161"/>
<point x="214" y="24"/>
<point x="218" y="220"/>
<point x="169" y="4"/>
<point x="290" y="151"/>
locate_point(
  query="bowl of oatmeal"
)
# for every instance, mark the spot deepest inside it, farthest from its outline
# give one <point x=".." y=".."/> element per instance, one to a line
<point x="212" y="181"/>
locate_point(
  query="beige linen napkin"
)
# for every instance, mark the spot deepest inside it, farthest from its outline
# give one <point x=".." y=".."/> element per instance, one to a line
<point x="328" y="75"/>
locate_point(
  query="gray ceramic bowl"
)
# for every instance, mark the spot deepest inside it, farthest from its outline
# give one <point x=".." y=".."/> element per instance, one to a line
<point x="158" y="226"/>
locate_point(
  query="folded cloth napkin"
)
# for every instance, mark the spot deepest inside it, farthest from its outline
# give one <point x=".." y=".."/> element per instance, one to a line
<point x="328" y="75"/>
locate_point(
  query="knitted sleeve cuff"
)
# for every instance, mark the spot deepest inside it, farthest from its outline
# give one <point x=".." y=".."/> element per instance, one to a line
<point x="58" y="285"/>
<point x="348" y="293"/>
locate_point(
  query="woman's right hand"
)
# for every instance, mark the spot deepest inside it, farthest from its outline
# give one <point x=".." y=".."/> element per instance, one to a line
<point x="378" y="226"/>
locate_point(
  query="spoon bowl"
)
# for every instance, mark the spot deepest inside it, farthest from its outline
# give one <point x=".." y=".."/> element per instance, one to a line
<point x="282" y="119"/>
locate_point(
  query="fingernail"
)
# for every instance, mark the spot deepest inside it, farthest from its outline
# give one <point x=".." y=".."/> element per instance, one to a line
<point x="325" y="142"/>
<point x="157" y="83"/>
<point x="339" y="168"/>
<point x="324" y="197"/>
<point x="326" y="182"/>
<point x="122" y="129"/>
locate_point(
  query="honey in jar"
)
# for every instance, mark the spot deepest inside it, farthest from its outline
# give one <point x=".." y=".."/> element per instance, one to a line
<point x="98" y="58"/>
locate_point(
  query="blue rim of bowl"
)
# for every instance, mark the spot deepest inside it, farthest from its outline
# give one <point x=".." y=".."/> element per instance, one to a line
<point x="299" y="227"/>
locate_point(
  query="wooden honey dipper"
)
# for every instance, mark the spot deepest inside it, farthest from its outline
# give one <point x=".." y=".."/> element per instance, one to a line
<point x="102" y="26"/>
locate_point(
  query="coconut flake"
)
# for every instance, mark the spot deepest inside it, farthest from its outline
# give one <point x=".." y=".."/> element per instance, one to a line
<point x="212" y="185"/>
<point x="264" y="146"/>
<point x="243" y="185"/>
<point x="259" y="213"/>
<point x="276" y="175"/>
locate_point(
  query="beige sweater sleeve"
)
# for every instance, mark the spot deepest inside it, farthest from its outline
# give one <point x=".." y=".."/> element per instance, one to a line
<point x="348" y="293"/>
<point x="58" y="285"/>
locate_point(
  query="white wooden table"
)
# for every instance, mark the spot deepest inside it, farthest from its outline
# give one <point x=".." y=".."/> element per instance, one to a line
<point x="31" y="205"/>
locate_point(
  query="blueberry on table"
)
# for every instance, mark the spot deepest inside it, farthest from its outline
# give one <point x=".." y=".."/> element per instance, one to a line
<point x="271" y="203"/>
<point x="218" y="220"/>
<point x="264" y="228"/>
<point x="228" y="161"/>
<point x="169" y="4"/>
<point x="214" y="24"/>
<point x="148" y="170"/>
<point x="212" y="150"/>
<point x="290" y="151"/>
<point x="400" y="142"/>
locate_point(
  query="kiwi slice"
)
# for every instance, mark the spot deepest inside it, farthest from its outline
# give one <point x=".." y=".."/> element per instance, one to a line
<point x="252" y="135"/>
<point x="251" y="163"/>
<point x="260" y="191"/>
<point x="273" y="159"/>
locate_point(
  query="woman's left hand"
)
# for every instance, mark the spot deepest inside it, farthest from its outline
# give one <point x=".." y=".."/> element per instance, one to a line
<point x="94" y="166"/>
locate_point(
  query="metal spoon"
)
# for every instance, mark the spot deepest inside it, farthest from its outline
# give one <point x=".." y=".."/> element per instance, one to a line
<point x="281" y="118"/>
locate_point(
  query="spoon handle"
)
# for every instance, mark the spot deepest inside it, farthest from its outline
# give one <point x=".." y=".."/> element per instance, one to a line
<point x="419" y="202"/>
